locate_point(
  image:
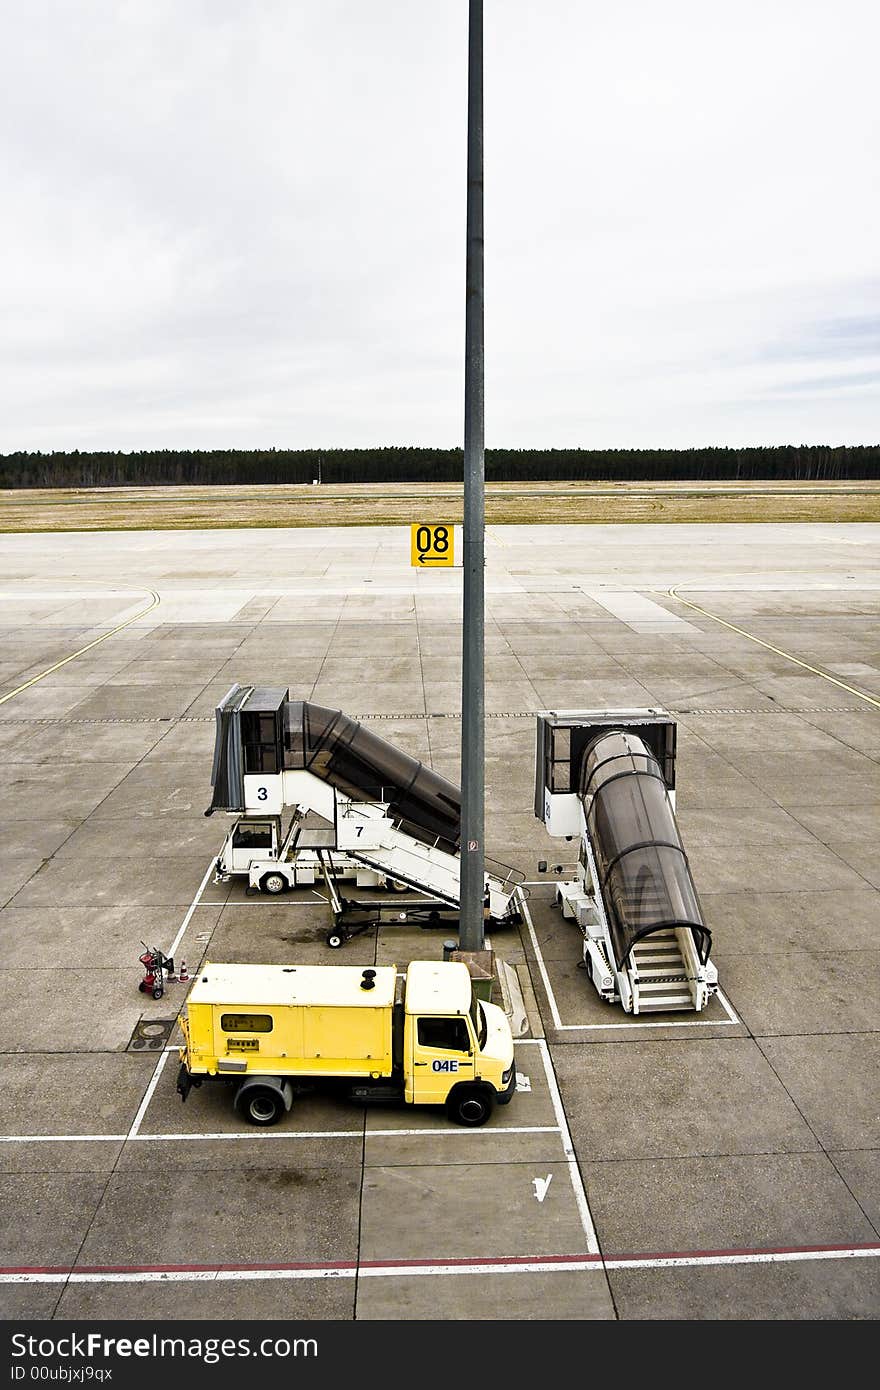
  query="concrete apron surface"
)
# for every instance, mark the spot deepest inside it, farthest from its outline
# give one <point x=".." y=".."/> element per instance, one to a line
<point x="721" y="1165"/>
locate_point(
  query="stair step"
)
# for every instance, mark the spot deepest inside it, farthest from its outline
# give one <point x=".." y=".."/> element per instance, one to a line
<point x="648" y="957"/>
<point x="660" y="972"/>
<point x="663" y="1003"/>
<point x="662" y="982"/>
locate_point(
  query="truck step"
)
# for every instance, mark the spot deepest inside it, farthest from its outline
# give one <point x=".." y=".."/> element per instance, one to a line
<point x="380" y="1091"/>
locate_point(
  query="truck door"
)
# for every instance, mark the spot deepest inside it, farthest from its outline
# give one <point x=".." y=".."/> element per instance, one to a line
<point x="442" y="1054"/>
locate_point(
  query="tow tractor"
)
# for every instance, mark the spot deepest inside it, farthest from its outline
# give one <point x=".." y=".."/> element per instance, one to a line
<point x="274" y="859"/>
<point x="383" y="811"/>
<point x="607" y="778"/>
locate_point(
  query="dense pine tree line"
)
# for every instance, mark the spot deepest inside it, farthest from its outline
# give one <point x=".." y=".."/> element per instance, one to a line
<point x="153" y="468"/>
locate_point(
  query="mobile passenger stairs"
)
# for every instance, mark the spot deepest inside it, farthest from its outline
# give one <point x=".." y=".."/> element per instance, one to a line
<point x="607" y="778"/>
<point x="395" y="820"/>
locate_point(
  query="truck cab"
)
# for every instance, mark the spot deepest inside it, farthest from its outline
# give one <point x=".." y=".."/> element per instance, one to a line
<point x="250" y="840"/>
<point x="458" y="1049"/>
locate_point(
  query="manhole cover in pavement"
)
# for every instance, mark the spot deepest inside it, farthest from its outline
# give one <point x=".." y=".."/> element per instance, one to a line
<point x="150" y="1034"/>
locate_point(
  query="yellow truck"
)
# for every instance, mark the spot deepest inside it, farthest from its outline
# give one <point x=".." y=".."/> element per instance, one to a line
<point x="421" y="1037"/>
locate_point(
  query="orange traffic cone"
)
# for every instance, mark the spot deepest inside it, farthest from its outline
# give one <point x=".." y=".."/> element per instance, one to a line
<point x="183" y="976"/>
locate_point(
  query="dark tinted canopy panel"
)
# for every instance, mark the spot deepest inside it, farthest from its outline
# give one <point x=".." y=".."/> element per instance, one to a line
<point x="644" y="876"/>
<point x="360" y="764"/>
<point x="226" y="774"/>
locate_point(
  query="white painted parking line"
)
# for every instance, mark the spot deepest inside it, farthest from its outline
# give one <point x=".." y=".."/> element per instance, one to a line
<point x="192" y="907"/>
<point x="403" y="1269"/>
<point x="548" y="988"/>
<point x="148" y="1096"/>
<point x="63" y="1138"/>
<point x="160" y="1065"/>
<point x="258" y="1135"/>
<point x="630" y="1021"/>
<point x="236" y="902"/>
<point x="745" y="1257"/>
<point x="580" y="1195"/>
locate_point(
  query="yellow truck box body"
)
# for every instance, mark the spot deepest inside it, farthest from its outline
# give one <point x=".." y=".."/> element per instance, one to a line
<point x="290" y="1020"/>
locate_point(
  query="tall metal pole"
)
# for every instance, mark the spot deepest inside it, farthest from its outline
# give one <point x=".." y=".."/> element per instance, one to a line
<point x="471" y="929"/>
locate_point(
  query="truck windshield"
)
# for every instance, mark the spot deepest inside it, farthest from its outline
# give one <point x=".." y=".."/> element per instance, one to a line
<point x="478" y="1019"/>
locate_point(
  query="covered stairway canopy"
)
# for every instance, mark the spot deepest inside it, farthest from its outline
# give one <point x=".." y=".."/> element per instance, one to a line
<point x="262" y="731"/>
<point x="644" y="877"/>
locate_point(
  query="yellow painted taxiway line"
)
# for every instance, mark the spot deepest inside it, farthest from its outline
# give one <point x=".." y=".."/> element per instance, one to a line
<point x="814" y="670"/>
<point x="10" y="695"/>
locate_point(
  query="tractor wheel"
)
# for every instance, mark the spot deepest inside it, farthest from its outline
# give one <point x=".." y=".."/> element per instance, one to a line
<point x="273" y="883"/>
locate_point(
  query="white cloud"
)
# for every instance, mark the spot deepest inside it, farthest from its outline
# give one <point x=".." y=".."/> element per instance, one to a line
<point x="243" y="224"/>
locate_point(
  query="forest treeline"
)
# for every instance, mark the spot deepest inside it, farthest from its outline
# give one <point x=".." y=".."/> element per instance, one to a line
<point x="213" y="467"/>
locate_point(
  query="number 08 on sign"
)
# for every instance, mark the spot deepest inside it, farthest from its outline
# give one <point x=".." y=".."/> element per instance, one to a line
<point x="431" y="546"/>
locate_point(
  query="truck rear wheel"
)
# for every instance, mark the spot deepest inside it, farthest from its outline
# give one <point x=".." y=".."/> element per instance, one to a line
<point x="470" y="1105"/>
<point x="262" y="1106"/>
<point x="273" y="883"/>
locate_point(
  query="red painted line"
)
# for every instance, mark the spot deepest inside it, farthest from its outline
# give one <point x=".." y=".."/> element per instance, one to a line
<point x="173" y="1269"/>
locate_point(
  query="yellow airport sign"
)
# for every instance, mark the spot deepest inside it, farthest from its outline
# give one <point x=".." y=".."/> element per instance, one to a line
<point x="432" y="545"/>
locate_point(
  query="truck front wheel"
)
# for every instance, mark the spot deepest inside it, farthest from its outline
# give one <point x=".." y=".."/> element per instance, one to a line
<point x="262" y="1106"/>
<point x="470" y="1105"/>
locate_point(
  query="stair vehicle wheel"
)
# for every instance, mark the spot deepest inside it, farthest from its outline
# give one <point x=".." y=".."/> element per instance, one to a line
<point x="262" y="1106"/>
<point x="394" y="885"/>
<point x="470" y="1106"/>
<point x="335" y="939"/>
<point x="273" y="883"/>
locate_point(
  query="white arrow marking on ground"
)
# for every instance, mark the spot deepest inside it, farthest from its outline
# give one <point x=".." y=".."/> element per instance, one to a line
<point x="540" y="1185"/>
<point x="522" y="1082"/>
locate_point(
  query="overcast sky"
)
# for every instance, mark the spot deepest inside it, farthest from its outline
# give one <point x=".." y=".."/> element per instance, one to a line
<point x="232" y="223"/>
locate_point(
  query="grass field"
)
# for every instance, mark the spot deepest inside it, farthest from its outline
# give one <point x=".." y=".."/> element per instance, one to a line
<point x="378" y="504"/>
